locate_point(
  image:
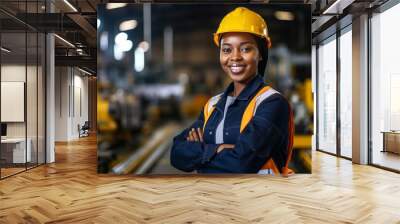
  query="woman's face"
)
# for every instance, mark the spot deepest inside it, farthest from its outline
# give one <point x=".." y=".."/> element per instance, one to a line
<point x="239" y="56"/>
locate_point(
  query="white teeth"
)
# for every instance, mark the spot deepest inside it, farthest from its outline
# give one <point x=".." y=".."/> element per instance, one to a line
<point x="237" y="69"/>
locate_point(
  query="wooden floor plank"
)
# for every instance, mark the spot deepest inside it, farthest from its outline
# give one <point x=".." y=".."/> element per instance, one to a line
<point x="70" y="191"/>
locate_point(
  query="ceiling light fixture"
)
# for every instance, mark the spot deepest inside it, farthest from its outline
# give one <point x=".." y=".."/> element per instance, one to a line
<point x="144" y="45"/>
<point x="5" y="50"/>
<point x="128" y="25"/>
<point x="284" y="15"/>
<point x="84" y="71"/>
<point x="70" y="5"/>
<point x="65" y="41"/>
<point x="337" y="7"/>
<point x="120" y="38"/>
<point x="115" y="5"/>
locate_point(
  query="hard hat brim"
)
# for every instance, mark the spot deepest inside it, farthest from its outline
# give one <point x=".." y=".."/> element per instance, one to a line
<point x="216" y="37"/>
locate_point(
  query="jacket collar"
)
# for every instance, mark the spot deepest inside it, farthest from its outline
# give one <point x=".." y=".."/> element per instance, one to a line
<point x="246" y="93"/>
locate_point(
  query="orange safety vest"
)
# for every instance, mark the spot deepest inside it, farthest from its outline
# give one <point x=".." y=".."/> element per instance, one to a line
<point x="248" y="114"/>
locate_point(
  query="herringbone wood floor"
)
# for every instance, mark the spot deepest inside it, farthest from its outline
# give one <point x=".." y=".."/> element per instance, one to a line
<point x="70" y="191"/>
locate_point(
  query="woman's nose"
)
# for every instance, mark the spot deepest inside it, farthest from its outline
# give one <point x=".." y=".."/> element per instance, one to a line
<point x="236" y="55"/>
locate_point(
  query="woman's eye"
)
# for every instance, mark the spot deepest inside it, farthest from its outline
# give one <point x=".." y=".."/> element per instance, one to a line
<point x="246" y="49"/>
<point x="226" y="50"/>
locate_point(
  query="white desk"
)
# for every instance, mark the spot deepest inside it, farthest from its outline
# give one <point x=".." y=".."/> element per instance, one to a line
<point x="18" y="149"/>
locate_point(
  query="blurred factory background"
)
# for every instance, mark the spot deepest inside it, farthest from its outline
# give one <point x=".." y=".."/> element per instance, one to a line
<point x="158" y="65"/>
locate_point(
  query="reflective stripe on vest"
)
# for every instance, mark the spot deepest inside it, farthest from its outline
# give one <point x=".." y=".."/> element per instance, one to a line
<point x="248" y="114"/>
<point x="209" y="108"/>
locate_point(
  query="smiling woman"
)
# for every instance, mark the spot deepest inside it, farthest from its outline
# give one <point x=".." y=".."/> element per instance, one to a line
<point x="248" y="128"/>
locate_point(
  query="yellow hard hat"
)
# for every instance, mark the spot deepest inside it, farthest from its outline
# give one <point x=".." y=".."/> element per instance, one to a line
<point x="243" y="20"/>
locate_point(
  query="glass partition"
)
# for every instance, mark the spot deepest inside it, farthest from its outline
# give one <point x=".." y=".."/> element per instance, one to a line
<point x="327" y="95"/>
<point x="14" y="151"/>
<point x="22" y="89"/>
<point x="385" y="89"/>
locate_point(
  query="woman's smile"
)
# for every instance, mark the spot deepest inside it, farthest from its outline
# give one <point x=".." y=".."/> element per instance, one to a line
<point x="237" y="69"/>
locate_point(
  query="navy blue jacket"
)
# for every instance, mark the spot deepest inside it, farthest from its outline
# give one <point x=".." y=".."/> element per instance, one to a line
<point x="265" y="136"/>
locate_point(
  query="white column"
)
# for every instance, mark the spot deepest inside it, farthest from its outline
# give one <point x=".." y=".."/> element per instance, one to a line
<point x="50" y="92"/>
<point x="50" y="99"/>
<point x="314" y="93"/>
<point x="360" y="90"/>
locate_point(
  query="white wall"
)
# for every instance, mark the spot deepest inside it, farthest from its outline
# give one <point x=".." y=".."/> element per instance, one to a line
<point x="71" y="94"/>
<point x="61" y="103"/>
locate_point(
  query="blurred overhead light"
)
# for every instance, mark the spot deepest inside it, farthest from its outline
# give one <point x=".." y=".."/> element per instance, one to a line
<point x="128" y="25"/>
<point x="115" y="5"/>
<point x="144" y="45"/>
<point x="284" y="15"/>
<point x="70" y="5"/>
<point x="118" y="54"/>
<point x="5" y="50"/>
<point x="98" y="23"/>
<point x="65" y="41"/>
<point x="122" y="44"/>
<point x="121" y="37"/>
<point x="125" y="46"/>
<point x="139" y="59"/>
<point x="104" y="41"/>
<point x="79" y="51"/>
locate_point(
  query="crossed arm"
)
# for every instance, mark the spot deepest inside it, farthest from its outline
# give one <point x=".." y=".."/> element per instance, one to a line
<point x="196" y="135"/>
<point x="264" y="137"/>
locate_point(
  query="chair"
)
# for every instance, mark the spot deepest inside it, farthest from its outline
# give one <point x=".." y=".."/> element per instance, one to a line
<point x="84" y="130"/>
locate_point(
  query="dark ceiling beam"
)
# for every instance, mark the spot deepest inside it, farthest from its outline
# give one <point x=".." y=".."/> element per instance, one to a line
<point x="83" y="23"/>
<point x="89" y="30"/>
<point x="82" y="61"/>
<point x="91" y="5"/>
<point x="45" y="22"/>
<point x="16" y="18"/>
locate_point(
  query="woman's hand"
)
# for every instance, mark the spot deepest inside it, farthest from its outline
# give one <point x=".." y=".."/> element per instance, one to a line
<point x="195" y="135"/>
<point x="224" y="146"/>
